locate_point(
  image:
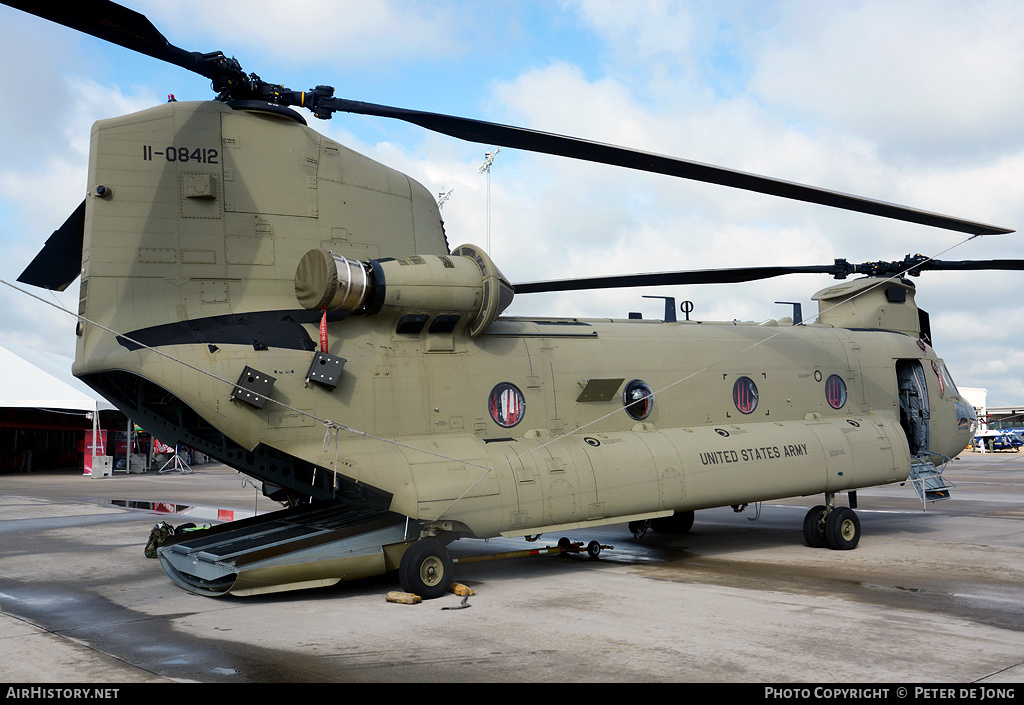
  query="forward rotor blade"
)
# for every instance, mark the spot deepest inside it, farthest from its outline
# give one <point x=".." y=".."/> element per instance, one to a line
<point x="547" y="143"/>
<point x="912" y="265"/>
<point x="702" y="276"/>
<point x="981" y="264"/>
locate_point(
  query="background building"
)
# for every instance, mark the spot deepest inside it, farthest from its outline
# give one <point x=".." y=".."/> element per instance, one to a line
<point x="45" y="411"/>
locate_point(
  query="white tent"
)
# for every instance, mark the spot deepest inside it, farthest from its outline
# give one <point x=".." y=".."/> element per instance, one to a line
<point x="32" y="379"/>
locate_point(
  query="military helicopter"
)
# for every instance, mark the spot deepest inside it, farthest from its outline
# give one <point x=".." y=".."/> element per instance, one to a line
<point x="269" y="297"/>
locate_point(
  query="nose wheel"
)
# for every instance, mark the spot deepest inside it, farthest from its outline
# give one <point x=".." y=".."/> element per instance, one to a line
<point x="832" y="526"/>
<point x="814" y="527"/>
<point x="842" y="529"/>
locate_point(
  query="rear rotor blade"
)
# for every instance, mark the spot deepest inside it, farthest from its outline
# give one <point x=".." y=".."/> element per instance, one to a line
<point x="575" y="148"/>
<point x="119" y="25"/>
<point x="60" y="261"/>
<point x="111" y="22"/>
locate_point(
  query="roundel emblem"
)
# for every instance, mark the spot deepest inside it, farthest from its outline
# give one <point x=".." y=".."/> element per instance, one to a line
<point x="506" y="405"/>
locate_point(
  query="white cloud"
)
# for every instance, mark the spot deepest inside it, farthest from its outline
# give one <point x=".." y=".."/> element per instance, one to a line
<point x="912" y="102"/>
<point x="349" y="31"/>
<point x="919" y="77"/>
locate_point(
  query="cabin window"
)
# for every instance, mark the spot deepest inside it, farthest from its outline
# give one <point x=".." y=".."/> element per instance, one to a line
<point x="744" y="395"/>
<point x="835" y="391"/>
<point x="638" y="399"/>
<point x="966" y="417"/>
<point x="944" y="377"/>
<point x="506" y="405"/>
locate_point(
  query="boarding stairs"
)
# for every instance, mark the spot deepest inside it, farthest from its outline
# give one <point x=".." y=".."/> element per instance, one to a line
<point x="928" y="481"/>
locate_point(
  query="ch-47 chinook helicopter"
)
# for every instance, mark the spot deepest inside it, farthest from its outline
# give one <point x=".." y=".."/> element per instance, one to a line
<point x="291" y="308"/>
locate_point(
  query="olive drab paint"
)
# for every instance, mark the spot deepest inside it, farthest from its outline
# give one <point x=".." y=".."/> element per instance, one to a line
<point x="193" y="251"/>
<point x="267" y="296"/>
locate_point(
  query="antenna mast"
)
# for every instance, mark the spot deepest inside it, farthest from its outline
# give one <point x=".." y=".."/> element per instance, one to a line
<point x="485" y="168"/>
<point x="443" y="197"/>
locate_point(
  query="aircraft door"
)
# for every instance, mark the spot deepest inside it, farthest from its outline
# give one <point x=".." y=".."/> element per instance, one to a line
<point x="915" y="412"/>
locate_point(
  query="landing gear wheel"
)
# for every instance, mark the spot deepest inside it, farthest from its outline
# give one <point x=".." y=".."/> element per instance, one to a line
<point x="679" y="523"/>
<point x="842" y="529"/>
<point x="814" y="527"/>
<point x="594" y="550"/>
<point x="426" y="569"/>
<point x="639" y="528"/>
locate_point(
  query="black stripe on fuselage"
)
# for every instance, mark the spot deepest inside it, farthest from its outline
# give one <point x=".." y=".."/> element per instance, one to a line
<point x="261" y="329"/>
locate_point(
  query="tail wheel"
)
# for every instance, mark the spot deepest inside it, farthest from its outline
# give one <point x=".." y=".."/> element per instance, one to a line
<point x="426" y="569"/>
<point x="842" y="529"/>
<point x="814" y="527"/>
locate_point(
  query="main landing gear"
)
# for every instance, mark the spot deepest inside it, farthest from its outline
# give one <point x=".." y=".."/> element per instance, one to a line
<point x="832" y="526"/>
<point x="426" y="569"/>
<point x="678" y="524"/>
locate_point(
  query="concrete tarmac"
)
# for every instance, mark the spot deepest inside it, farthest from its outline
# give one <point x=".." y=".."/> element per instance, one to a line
<point x="933" y="596"/>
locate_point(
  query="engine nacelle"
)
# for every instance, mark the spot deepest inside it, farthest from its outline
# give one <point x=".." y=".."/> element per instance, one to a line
<point x="465" y="284"/>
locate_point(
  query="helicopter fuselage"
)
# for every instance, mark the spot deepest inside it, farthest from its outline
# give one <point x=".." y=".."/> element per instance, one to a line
<point x="440" y="410"/>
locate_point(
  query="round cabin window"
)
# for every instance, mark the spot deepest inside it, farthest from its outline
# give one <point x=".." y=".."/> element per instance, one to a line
<point x="835" y="391"/>
<point x="744" y="395"/>
<point x="506" y="405"/>
<point x="638" y="399"/>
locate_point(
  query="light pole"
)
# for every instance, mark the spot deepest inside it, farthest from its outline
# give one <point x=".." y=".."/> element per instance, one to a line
<point x="443" y="197"/>
<point x="485" y="168"/>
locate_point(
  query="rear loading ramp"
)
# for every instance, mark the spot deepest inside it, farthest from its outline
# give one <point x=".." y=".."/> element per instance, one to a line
<point x="302" y="547"/>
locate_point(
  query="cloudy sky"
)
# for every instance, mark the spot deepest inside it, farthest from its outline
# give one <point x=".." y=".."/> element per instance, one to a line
<point x="916" y="103"/>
